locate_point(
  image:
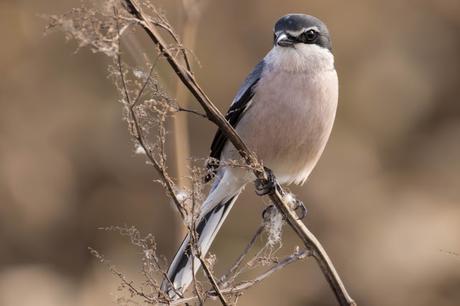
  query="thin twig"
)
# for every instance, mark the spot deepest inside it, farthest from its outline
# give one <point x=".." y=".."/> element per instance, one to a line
<point x="193" y="246"/>
<point x="125" y="282"/>
<point x="247" y="284"/>
<point x="198" y="294"/>
<point x="177" y="41"/>
<point x="196" y="252"/>
<point x="240" y="258"/>
<point x="139" y="135"/>
<point x="281" y="264"/>
<point x="181" y="109"/>
<point x="212" y="280"/>
<point x="146" y="82"/>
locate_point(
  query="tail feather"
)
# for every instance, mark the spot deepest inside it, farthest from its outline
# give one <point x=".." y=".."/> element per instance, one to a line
<point x="180" y="271"/>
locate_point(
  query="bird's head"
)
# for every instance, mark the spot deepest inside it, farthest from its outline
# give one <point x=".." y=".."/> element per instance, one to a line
<point x="295" y="30"/>
<point x="301" y="43"/>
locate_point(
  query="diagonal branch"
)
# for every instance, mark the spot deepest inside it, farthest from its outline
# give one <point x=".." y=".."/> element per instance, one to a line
<point x="213" y="281"/>
<point x="278" y="196"/>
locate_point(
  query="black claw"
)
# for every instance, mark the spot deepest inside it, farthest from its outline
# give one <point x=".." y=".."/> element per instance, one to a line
<point x="300" y="209"/>
<point x="266" y="187"/>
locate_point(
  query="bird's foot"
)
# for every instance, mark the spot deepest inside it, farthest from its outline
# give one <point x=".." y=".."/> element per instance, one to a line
<point x="300" y="209"/>
<point x="268" y="186"/>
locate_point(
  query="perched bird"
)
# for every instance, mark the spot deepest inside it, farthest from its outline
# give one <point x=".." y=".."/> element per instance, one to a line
<point x="284" y="112"/>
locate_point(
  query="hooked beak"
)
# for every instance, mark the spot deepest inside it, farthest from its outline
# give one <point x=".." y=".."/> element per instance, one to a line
<point x="283" y="40"/>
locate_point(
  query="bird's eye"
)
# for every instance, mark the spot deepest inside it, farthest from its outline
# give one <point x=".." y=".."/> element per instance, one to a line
<point x="309" y="36"/>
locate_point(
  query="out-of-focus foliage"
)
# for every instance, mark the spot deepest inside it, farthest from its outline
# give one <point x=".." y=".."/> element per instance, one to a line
<point x="383" y="199"/>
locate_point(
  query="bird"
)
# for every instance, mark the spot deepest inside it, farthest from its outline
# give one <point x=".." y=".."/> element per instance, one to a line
<point x="284" y="112"/>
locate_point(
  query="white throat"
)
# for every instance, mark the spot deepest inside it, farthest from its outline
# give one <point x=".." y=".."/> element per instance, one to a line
<point x="300" y="58"/>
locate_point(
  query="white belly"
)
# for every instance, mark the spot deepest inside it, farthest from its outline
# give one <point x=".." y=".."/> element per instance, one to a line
<point x="289" y="122"/>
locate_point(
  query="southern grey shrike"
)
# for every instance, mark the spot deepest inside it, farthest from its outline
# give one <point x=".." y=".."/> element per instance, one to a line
<point x="284" y="112"/>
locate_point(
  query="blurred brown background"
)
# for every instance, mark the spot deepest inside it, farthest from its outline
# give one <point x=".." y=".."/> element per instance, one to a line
<point x="384" y="198"/>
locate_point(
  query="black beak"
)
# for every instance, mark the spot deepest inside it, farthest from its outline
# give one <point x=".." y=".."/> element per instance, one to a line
<point x="283" y="40"/>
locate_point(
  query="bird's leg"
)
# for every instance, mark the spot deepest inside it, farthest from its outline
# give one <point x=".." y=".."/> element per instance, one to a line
<point x="264" y="187"/>
<point x="268" y="186"/>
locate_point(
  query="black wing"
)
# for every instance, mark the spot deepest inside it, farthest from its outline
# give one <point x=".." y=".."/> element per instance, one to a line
<point x="234" y="113"/>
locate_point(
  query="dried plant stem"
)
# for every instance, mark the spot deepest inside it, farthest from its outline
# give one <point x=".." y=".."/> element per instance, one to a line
<point x="194" y="247"/>
<point x="281" y="264"/>
<point x="232" y="271"/>
<point x="197" y="253"/>
<point x="278" y="196"/>
<point x="138" y="135"/>
<point x="180" y="122"/>
<point x="191" y="111"/>
<point x="124" y="281"/>
<point x="247" y="284"/>
<point x="213" y="281"/>
<point x="195" y="284"/>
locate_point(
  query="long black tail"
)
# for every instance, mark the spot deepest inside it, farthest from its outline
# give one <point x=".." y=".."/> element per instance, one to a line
<point x="180" y="271"/>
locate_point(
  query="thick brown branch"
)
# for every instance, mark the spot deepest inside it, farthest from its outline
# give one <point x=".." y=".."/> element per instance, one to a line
<point x="277" y="197"/>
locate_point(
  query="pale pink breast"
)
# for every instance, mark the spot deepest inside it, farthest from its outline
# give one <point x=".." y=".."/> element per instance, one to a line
<point x="289" y="122"/>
